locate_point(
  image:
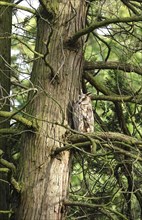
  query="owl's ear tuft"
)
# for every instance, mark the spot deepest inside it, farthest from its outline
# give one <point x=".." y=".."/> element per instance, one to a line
<point x="89" y="94"/>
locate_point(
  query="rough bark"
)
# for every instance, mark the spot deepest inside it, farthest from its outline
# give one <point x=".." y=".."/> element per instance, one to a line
<point x="57" y="77"/>
<point x="5" y="44"/>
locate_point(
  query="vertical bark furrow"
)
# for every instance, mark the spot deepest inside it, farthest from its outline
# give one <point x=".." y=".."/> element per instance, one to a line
<point x="48" y="177"/>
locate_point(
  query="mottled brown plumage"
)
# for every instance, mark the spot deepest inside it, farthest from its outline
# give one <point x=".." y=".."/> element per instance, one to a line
<point x="83" y="114"/>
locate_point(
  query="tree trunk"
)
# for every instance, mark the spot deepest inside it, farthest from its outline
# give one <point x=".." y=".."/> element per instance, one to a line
<point x="5" y="45"/>
<point x="57" y="77"/>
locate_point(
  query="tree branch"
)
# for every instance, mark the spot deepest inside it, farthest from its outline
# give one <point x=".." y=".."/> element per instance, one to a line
<point x="109" y="96"/>
<point x="6" y="211"/>
<point x="114" y="141"/>
<point x="93" y="206"/>
<point x="97" y="84"/>
<point x="131" y="7"/>
<point x="27" y="45"/>
<point x="106" y="91"/>
<point x="19" y="118"/>
<point x="117" y="98"/>
<point x="126" y="67"/>
<point x="83" y="145"/>
<point x="8" y="131"/>
<point x="39" y="55"/>
<point x="4" y="170"/>
<point x="7" y="164"/>
<point x="17" y="186"/>
<point x="100" y="24"/>
<point x="82" y="204"/>
<point x="33" y="11"/>
<point x="106" y="136"/>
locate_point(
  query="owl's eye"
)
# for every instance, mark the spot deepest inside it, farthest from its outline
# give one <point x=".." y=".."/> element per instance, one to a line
<point x="80" y="97"/>
<point x="83" y="98"/>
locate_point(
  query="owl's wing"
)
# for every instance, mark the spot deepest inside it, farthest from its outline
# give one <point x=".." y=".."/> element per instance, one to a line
<point x="77" y="117"/>
<point x="90" y="118"/>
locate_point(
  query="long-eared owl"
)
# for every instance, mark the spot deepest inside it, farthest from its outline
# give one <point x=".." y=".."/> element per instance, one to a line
<point x="83" y="117"/>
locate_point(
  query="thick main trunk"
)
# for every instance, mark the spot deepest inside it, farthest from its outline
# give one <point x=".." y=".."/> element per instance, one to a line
<point x="5" y="45"/>
<point x="45" y="178"/>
